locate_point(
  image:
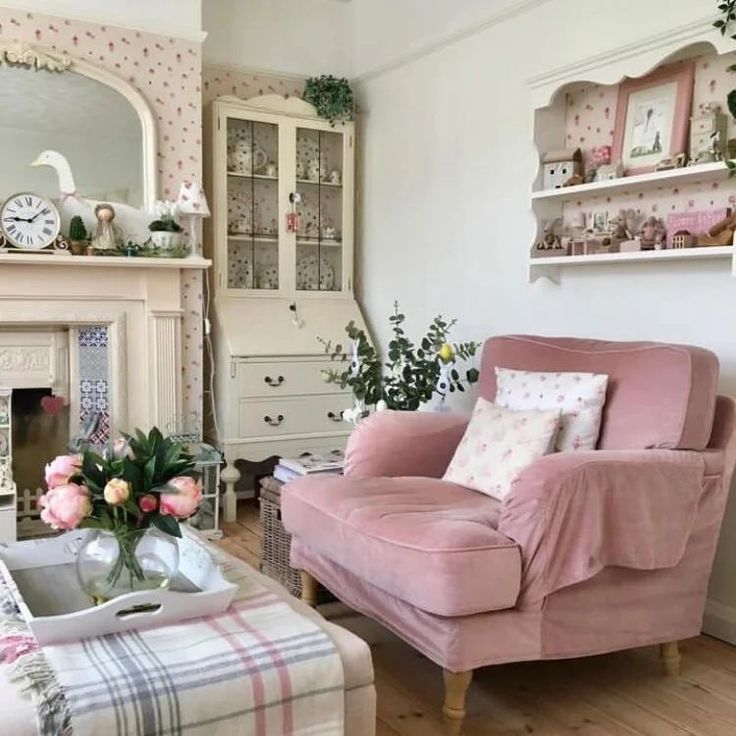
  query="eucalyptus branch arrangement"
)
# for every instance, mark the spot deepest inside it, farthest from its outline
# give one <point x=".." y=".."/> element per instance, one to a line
<point x="331" y="96"/>
<point x="724" y="24"/>
<point x="411" y="374"/>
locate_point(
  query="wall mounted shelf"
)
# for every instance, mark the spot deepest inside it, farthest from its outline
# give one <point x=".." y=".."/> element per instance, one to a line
<point x="550" y="267"/>
<point x="642" y="182"/>
<point x="577" y="106"/>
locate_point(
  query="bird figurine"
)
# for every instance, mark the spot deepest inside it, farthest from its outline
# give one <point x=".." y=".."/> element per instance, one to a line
<point x="133" y="222"/>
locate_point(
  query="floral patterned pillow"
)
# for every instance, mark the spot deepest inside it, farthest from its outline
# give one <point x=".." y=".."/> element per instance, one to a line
<point x="579" y="397"/>
<point x="498" y="444"/>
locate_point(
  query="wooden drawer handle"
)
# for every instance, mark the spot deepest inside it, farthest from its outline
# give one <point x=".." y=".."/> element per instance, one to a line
<point x="274" y="383"/>
<point x="335" y="417"/>
<point x="274" y="422"/>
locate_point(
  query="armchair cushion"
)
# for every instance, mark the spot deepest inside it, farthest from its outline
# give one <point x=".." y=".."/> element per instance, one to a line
<point x="659" y="395"/>
<point x="498" y="444"/>
<point x="430" y="543"/>
<point x="392" y="443"/>
<point x="573" y="514"/>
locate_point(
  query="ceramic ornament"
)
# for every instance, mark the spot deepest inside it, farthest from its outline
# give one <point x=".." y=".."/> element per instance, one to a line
<point x="313" y="274"/>
<point x="268" y="278"/>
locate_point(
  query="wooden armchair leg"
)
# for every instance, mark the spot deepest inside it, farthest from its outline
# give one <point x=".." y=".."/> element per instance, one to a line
<point x="309" y="589"/>
<point x="456" y="688"/>
<point x="669" y="654"/>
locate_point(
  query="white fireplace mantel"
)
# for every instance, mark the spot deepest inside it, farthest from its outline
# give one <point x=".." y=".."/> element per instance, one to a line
<point x="14" y="258"/>
<point x="140" y="300"/>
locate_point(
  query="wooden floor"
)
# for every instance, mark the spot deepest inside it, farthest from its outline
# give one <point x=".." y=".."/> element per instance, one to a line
<point x="612" y="695"/>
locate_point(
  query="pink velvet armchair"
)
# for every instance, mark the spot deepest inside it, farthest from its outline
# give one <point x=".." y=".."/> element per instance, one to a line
<point x="591" y="552"/>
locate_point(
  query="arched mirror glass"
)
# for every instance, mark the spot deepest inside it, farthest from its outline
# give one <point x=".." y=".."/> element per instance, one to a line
<point x="94" y="127"/>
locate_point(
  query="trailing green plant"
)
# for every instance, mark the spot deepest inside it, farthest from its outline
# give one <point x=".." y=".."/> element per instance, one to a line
<point x="77" y="230"/>
<point x="727" y="10"/>
<point x="165" y="224"/>
<point x="331" y="96"/>
<point x="166" y="214"/>
<point x="409" y="374"/>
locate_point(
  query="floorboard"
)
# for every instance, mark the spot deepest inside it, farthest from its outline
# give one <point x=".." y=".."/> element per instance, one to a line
<point x="621" y="694"/>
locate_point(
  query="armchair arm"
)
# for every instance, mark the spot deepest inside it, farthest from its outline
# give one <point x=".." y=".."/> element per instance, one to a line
<point x="575" y="513"/>
<point x="396" y="443"/>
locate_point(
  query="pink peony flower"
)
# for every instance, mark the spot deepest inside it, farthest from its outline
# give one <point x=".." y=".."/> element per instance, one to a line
<point x="116" y="491"/>
<point x="121" y="448"/>
<point x="64" y="507"/>
<point x="184" y="503"/>
<point x="147" y="503"/>
<point x="60" y="469"/>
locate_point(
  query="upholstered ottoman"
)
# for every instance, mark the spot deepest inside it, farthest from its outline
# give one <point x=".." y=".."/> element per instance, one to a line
<point x="18" y="717"/>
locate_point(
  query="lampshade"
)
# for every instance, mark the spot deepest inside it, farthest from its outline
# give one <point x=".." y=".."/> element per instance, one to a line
<point x="191" y="199"/>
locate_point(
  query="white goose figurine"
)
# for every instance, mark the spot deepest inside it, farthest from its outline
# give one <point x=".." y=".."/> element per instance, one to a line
<point x="132" y="221"/>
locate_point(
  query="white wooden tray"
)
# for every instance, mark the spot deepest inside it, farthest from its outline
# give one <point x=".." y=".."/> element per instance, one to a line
<point x="42" y="575"/>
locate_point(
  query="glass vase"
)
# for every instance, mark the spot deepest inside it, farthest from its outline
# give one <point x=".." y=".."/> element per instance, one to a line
<point x="113" y="563"/>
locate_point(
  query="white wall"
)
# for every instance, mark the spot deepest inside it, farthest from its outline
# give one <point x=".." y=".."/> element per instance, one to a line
<point x="302" y="37"/>
<point x="386" y="30"/>
<point x="445" y="223"/>
<point x="168" y="17"/>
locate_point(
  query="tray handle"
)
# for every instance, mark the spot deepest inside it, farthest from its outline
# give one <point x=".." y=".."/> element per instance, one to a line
<point x="127" y="612"/>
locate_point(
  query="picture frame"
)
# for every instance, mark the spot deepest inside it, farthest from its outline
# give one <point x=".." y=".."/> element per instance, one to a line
<point x="652" y="117"/>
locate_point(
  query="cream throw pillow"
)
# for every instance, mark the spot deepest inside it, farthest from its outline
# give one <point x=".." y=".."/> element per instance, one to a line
<point x="498" y="444"/>
<point x="579" y="397"/>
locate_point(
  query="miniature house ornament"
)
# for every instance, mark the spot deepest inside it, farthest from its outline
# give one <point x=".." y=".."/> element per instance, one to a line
<point x="708" y="132"/>
<point x="560" y="166"/>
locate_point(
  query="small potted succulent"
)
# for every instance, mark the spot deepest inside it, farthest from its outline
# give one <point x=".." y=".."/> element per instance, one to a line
<point x="78" y="237"/>
<point x="166" y="233"/>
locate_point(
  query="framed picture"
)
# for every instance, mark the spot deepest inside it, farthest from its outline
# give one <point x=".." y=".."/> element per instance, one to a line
<point x="652" y="117"/>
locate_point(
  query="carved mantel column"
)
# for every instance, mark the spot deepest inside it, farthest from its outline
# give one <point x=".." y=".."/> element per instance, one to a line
<point x="165" y="375"/>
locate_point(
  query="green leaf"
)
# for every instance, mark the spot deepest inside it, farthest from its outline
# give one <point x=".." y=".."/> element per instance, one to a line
<point x="167" y="524"/>
<point x="132" y="473"/>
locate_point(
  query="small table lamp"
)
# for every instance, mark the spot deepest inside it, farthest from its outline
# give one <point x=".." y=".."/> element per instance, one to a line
<point x="192" y="204"/>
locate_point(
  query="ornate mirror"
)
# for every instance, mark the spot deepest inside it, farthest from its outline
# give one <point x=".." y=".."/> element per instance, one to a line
<point x="99" y="123"/>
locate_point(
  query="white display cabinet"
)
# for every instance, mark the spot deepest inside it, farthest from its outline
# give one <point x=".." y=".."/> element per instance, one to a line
<point x="281" y="235"/>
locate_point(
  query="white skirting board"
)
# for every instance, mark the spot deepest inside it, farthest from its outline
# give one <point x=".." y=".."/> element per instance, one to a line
<point x="720" y="621"/>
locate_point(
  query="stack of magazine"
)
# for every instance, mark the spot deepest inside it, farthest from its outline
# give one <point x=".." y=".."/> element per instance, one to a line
<point x="309" y="463"/>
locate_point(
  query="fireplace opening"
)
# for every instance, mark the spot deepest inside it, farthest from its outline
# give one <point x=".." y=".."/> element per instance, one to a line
<point x="40" y="432"/>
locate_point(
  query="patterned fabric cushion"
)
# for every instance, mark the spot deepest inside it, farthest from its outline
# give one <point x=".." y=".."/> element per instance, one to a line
<point x="579" y="397"/>
<point x="498" y="444"/>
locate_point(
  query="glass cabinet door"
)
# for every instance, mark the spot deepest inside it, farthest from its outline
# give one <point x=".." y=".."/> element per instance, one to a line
<point x="252" y="205"/>
<point x="319" y="181"/>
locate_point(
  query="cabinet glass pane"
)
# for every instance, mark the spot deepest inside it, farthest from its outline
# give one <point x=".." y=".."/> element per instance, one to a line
<point x="319" y="171"/>
<point x="253" y="205"/>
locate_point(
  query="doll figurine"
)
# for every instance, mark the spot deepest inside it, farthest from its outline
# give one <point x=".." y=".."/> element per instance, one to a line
<point x="652" y="234"/>
<point x="107" y="235"/>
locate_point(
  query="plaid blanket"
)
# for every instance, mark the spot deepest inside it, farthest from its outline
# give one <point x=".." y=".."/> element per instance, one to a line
<point x="259" y="668"/>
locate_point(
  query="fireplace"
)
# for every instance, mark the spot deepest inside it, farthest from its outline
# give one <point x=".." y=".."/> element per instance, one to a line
<point x="95" y="343"/>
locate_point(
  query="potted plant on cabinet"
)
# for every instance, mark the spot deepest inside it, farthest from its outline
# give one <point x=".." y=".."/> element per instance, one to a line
<point x="166" y="232"/>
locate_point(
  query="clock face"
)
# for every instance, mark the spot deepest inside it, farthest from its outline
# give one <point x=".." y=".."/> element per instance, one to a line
<point x="29" y="221"/>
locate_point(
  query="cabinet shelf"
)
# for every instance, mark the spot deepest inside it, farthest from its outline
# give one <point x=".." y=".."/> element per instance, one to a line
<point x="323" y="243"/>
<point x="318" y="183"/>
<point x="243" y="238"/>
<point x="260" y="177"/>
<point x="638" y="183"/>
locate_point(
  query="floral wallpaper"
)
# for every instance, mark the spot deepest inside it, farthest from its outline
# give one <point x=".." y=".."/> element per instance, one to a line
<point x="590" y="121"/>
<point x="217" y="81"/>
<point x="167" y="71"/>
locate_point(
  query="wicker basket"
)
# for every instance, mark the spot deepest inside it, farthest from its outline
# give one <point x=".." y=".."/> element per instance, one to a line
<point x="276" y="544"/>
